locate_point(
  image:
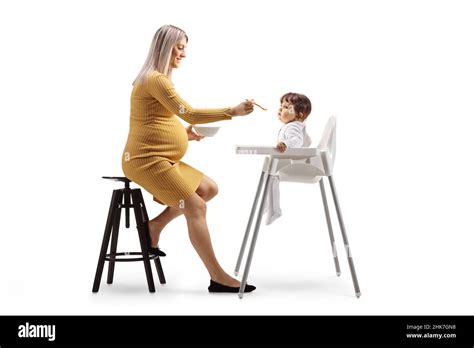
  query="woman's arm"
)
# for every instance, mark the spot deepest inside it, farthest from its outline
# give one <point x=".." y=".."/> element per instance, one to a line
<point x="161" y="88"/>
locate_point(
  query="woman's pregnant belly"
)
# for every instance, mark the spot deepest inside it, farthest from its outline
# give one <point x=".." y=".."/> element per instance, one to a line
<point x="166" y="139"/>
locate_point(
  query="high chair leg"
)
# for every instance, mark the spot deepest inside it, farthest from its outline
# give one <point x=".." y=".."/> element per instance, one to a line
<point x="263" y="177"/>
<point x="328" y="221"/>
<point x="249" y="223"/>
<point x="254" y="240"/>
<point x="272" y="170"/>
<point x="344" y="237"/>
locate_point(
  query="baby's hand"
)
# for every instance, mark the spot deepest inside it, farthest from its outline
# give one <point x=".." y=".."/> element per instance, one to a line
<point x="281" y="147"/>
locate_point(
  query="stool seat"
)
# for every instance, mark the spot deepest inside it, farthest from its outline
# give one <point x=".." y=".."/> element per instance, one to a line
<point x="126" y="198"/>
<point x="118" y="178"/>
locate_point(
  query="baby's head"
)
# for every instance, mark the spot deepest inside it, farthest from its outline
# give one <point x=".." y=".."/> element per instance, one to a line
<point x="294" y="107"/>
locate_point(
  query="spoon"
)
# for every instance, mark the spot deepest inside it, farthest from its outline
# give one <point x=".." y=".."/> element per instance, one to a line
<point x="254" y="103"/>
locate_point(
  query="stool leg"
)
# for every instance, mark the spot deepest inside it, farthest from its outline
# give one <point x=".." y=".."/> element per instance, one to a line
<point x="114" y="203"/>
<point x="328" y="221"/>
<point x="137" y="204"/>
<point x="344" y="237"/>
<point x="143" y="215"/>
<point x="126" y="200"/>
<point x="159" y="269"/>
<point x="113" y="246"/>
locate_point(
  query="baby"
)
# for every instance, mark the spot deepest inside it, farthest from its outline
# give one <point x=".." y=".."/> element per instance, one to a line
<point x="294" y="110"/>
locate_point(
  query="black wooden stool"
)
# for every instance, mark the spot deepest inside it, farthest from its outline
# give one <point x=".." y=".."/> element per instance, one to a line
<point x="132" y="198"/>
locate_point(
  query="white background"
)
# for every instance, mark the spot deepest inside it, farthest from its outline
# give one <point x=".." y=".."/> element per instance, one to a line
<point x="397" y="74"/>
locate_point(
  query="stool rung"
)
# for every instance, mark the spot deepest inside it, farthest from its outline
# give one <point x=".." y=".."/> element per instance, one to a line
<point x="113" y="256"/>
<point x="123" y="206"/>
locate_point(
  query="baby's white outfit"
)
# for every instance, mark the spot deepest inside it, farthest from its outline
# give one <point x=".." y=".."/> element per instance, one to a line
<point x="292" y="134"/>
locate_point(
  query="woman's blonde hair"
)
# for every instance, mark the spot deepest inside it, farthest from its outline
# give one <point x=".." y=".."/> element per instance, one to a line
<point x="161" y="48"/>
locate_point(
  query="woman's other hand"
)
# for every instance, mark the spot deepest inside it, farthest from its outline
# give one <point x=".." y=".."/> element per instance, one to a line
<point x="242" y="109"/>
<point x="192" y="135"/>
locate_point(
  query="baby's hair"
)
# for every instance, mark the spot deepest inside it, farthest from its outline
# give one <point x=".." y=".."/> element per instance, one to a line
<point x="301" y="103"/>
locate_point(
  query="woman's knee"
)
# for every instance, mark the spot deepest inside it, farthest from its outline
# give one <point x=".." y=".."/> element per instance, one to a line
<point x="207" y="189"/>
<point x="194" y="206"/>
<point x="212" y="190"/>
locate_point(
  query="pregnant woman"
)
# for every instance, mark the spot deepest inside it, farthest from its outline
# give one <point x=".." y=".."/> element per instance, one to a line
<point x="157" y="141"/>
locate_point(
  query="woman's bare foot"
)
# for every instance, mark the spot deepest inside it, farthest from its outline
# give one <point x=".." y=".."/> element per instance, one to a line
<point x="155" y="228"/>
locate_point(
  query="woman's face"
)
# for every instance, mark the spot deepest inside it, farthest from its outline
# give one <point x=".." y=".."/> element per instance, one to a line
<point x="286" y="113"/>
<point x="178" y="53"/>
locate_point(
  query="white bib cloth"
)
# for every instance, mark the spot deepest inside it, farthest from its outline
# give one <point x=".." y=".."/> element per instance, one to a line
<point x="293" y="135"/>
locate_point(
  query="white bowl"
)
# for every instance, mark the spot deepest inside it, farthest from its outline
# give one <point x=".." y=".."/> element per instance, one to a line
<point x="206" y="131"/>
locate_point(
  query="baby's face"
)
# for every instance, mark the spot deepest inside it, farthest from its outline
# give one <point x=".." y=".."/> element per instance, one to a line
<point x="286" y="113"/>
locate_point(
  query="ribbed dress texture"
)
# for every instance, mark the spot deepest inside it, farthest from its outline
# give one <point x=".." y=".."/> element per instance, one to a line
<point x="157" y="140"/>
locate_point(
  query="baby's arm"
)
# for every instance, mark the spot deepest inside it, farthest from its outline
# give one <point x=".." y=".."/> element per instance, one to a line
<point x="293" y="137"/>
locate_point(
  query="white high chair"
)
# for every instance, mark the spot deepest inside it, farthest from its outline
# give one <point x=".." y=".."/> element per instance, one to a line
<point x="304" y="165"/>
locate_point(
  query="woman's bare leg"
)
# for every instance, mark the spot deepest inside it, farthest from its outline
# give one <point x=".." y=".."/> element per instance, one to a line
<point x="195" y="212"/>
<point x="156" y="225"/>
<point x="207" y="190"/>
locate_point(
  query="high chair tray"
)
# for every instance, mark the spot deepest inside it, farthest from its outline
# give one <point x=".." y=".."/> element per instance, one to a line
<point x="303" y="152"/>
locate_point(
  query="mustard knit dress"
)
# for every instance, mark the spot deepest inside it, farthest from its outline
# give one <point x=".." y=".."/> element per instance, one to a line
<point x="157" y="140"/>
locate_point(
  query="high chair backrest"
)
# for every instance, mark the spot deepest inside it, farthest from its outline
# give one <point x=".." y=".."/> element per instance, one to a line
<point x="327" y="145"/>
